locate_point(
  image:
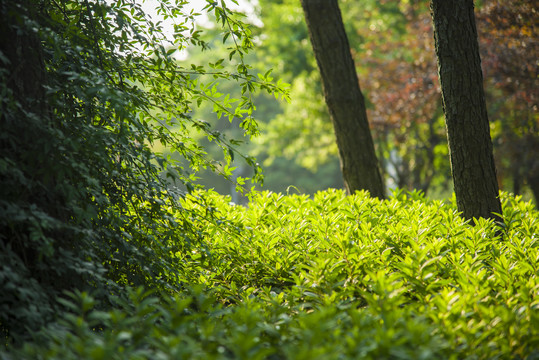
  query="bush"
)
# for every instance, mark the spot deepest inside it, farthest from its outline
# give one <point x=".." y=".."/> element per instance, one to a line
<point x="332" y="277"/>
<point x="88" y="87"/>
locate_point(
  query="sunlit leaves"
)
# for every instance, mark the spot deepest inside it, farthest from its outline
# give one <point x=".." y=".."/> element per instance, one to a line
<point x="329" y="277"/>
<point x="403" y="253"/>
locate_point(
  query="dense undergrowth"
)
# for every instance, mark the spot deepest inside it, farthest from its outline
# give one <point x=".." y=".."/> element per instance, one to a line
<point x="329" y="277"/>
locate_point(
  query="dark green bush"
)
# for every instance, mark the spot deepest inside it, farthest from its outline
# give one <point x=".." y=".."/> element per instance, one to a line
<point x="192" y="326"/>
<point x="87" y="88"/>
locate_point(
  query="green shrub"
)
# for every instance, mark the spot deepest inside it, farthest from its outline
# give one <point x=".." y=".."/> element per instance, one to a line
<point x="332" y="277"/>
<point x="477" y="288"/>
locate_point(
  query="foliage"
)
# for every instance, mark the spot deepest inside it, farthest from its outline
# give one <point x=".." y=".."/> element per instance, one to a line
<point x="288" y="157"/>
<point x="392" y="44"/>
<point x="303" y="131"/>
<point x="329" y="277"/>
<point x="398" y="71"/>
<point x="507" y="33"/>
<point x="87" y="87"/>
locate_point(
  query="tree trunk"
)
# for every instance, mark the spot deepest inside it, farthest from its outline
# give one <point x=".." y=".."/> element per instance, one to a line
<point x="533" y="181"/>
<point x="343" y="97"/>
<point x="461" y="79"/>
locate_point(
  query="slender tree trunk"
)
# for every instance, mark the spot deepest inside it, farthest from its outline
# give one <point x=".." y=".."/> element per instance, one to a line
<point x="343" y="97"/>
<point x="533" y="181"/>
<point x="470" y="145"/>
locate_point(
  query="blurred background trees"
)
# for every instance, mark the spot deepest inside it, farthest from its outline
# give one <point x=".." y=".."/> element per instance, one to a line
<point x="392" y="44"/>
<point x="510" y="48"/>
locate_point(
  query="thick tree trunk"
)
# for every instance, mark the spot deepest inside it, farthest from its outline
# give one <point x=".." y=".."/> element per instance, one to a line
<point x="468" y="133"/>
<point x="343" y="97"/>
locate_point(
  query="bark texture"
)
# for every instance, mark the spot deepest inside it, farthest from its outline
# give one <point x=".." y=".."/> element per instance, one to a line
<point x="468" y="132"/>
<point x="343" y="96"/>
